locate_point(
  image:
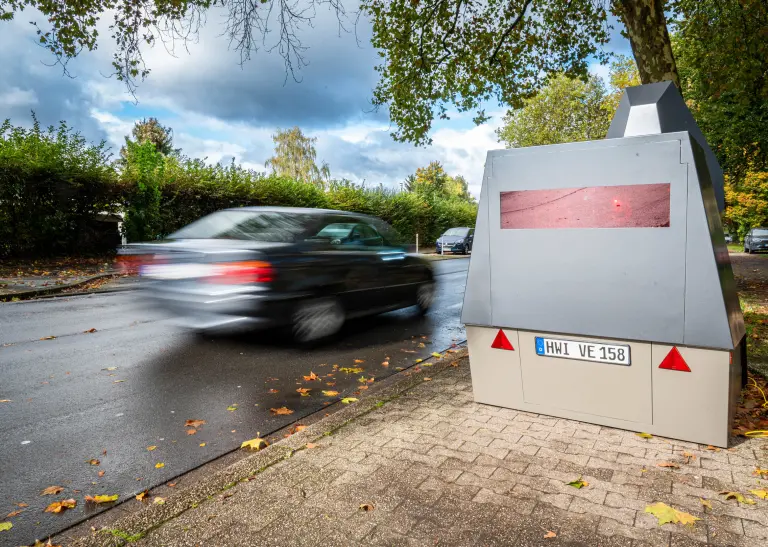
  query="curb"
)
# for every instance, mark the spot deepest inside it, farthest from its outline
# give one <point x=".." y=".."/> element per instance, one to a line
<point x="53" y="290"/>
<point x="136" y="525"/>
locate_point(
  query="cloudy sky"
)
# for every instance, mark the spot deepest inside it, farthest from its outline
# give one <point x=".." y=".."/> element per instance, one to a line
<point x="221" y="110"/>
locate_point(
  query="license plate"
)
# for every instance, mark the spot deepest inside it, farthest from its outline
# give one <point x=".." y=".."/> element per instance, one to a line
<point x="612" y="354"/>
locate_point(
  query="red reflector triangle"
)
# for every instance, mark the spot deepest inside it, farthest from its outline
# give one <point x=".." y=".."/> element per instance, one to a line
<point x="674" y="361"/>
<point x="502" y="342"/>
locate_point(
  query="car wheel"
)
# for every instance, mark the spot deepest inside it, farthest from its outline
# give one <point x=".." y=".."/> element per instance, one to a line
<point x="425" y="296"/>
<point x="317" y="319"/>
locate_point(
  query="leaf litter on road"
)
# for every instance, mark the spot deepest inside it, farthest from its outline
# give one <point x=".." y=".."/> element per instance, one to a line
<point x="347" y="400"/>
<point x="14" y="513"/>
<point x="194" y="423"/>
<point x="141" y="496"/>
<point x="159" y="465"/>
<point x="59" y="506"/>
<point x="303" y="391"/>
<point x="255" y="444"/>
<point x="578" y="483"/>
<point x="191" y="431"/>
<point x="312" y="376"/>
<point x="282" y="411"/>
<point x="5" y="526"/>
<point x="738" y="496"/>
<point x="51" y="490"/>
<point x="105" y="498"/>
<point x="329" y="393"/>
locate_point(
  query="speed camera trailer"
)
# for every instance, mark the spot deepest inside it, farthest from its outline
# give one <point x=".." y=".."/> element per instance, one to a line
<point x="600" y="287"/>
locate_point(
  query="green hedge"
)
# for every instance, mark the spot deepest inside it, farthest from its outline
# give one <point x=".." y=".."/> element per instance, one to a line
<point x="52" y="182"/>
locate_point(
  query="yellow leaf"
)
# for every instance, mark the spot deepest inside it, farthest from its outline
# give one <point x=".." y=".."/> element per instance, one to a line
<point x="101" y="498"/>
<point x="664" y="513"/>
<point x="644" y="435"/>
<point x="738" y="496"/>
<point x="51" y="490"/>
<point x="418" y="360"/>
<point x="159" y="465"/>
<point x="347" y="400"/>
<point x="141" y="495"/>
<point x="255" y="444"/>
<point x="158" y="500"/>
<point x="202" y="444"/>
<point x="762" y="494"/>
<point x="232" y="408"/>
<point x="358" y="361"/>
<point x="438" y="355"/>
<point x="330" y="393"/>
<point x="762" y="473"/>
<point x="151" y="448"/>
<point x="303" y="391"/>
<point x="550" y="534"/>
<point x="705" y="503"/>
<point x="351" y="370"/>
<point x="5" y="401"/>
<point x="59" y="506"/>
<point x="5" y="526"/>
<point x="94" y="461"/>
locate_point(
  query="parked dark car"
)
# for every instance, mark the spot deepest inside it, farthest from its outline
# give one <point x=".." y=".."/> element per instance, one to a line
<point x="756" y="240"/>
<point x="307" y="269"/>
<point x="455" y="240"/>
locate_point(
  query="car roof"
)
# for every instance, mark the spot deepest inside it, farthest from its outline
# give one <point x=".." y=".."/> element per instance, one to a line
<point x="305" y="210"/>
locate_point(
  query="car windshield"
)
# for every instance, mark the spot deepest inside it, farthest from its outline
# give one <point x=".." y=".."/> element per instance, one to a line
<point x="457" y="232"/>
<point x="760" y="232"/>
<point x="336" y="231"/>
<point x="268" y="226"/>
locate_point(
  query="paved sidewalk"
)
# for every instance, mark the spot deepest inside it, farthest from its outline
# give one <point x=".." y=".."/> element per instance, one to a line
<point x="439" y="469"/>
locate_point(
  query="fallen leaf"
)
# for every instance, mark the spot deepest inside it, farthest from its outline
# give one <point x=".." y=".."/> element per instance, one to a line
<point x="738" y="496"/>
<point x="713" y="448"/>
<point x="232" y="408"/>
<point x="330" y="393"/>
<point x="255" y="444"/>
<point x="51" y="490"/>
<point x="427" y="379"/>
<point x="141" y="495"/>
<point x="358" y="361"/>
<point x="298" y="428"/>
<point x="385" y="364"/>
<point x="158" y="500"/>
<point x="5" y="401"/>
<point x="101" y="473"/>
<point x="59" y="506"/>
<point x="194" y="423"/>
<point x="408" y="351"/>
<point x="49" y="338"/>
<point x="101" y="498"/>
<point x="668" y="464"/>
<point x="330" y="384"/>
<point x="762" y="473"/>
<point x="171" y="484"/>
<point x="14" y="513"/>
<point x="363" y="388"/>
<point x="151" y="448"/>
<point x="159" y="465"/>
<point x="351" y="370"/>
<point x="455" y="364"/>
<point x="438" y="355"/>
<point x="191" y="431"/>
<point x="273" y="390"/>
<point x="202" y="444"/>
<point x="644" y="435"/>
<point x="118" y="381"/>
<point x="367" y="507"/>
<point x="421" y="345"/>
<point x="312" y="376"/>
<point x="282" y="411"/>
<point x="89" y="331"/>
<point x="418" y="360"/>
<point x="110" y="368"/>
<point x="94" y="461"/>
<point x="578" y="483"/>
<point x="303" y="391"/>
<point x="689" y="457"/>
<point x="664" y="513"/>
<point x="311" y="445"/>
<point x="5" y="526"/>
<point x="705" y="503"/>
<point x="762" y="494"/>
<point x="22" y="504"/>
<point x="550" y="534"/>
<point x="347" y="400"/>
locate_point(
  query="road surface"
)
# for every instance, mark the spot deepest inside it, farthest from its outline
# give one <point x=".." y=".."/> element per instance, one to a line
<point x="108" y="395"/>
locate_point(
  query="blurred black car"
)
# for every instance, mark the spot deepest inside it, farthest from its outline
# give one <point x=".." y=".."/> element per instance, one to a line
<point x="756" y="240"/>
<point x="308" y="269"/>
<point x="455" y="240"/>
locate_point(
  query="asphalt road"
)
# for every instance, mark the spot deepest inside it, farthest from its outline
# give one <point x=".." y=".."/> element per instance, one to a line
<point x="131" y="384"/>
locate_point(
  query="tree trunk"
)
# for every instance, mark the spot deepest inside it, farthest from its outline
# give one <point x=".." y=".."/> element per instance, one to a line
<point x="646" y="28"/>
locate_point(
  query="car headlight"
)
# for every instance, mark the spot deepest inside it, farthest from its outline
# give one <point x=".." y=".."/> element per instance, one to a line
<point x="459" y="241"/>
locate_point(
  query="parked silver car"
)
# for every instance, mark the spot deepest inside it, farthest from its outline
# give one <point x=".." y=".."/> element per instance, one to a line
<point x="756" y="240"/>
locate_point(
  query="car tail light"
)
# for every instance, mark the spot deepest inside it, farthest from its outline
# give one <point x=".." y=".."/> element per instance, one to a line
<point x="239" y="273"/>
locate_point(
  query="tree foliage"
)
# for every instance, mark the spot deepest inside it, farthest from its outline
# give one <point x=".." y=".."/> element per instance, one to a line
<point x="722" y="46"/>
<point x="568" y="109"/>
<point x="747" y="202"/>
<point x="150" y="130"/>
<point x="433" y="181"/>
<point x="295" y="157"/>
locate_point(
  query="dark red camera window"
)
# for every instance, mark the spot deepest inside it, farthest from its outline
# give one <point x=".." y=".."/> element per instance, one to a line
<point x="631" y="206"/>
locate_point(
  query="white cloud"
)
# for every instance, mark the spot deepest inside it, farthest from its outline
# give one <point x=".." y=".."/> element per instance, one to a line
<point x="603" y="71"/>
<point x="15" y="96"/>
